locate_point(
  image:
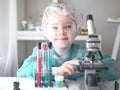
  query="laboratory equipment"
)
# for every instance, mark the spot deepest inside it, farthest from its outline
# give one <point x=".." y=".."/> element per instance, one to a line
<point x="116" y="85"/>
<point x="23" y="24"/>
<point x="30" y="25"/>
<point x="44" y="64"/>
<point x="38" y="73"/>
<point x="16" y="85"/>
<point x="90" y="65"/>
<point x="59" y="81"/>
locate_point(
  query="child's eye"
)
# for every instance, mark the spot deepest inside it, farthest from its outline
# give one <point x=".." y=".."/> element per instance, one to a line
<point x="68" y="27"/>
<point x="54" y="28"/>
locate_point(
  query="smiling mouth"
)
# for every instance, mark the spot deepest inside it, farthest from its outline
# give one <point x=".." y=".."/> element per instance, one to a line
<point x="62" y="39"/>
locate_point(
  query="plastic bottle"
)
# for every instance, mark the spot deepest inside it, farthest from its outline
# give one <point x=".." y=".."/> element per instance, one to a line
<point x="37" y="26"/>
<point x="59" y="81"/>
<point x="30" y="24"/>
<point x="82" y="32"/>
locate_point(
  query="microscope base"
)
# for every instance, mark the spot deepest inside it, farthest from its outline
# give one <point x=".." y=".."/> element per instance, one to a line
<point x="90" y="82"/>
<point x="91" y="87"/>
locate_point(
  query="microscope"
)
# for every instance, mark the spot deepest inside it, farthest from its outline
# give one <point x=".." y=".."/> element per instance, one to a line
<point x="93" y="59"/>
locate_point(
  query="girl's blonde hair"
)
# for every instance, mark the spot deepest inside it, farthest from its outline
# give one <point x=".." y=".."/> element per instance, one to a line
<point x="57" y="8"/>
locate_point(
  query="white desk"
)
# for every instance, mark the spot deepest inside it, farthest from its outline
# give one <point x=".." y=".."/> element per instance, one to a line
<point x="6" y="83"/>
<point x="79" y="85"/>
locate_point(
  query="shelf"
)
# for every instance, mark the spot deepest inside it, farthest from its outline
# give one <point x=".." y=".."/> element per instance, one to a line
<point x="112" y="20"/>
<point x="37" y="35"/>
<point x="30" y="35"/>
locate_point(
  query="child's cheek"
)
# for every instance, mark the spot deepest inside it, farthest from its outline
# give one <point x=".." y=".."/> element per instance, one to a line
<point x="50" y="37"/>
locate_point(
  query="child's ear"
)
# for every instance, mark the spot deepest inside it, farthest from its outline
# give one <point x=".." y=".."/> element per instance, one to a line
<point x="78" y="31"/>
<point x="77" y="28"/>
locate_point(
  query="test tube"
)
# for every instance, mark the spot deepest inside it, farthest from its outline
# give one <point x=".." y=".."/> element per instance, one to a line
<point x="49" y="64"/>
<point x="38" y="73"/>
<point x="44" y="64"/>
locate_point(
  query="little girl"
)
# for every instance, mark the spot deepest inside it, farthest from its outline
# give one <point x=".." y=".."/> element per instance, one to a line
<point x="61" y="26"/>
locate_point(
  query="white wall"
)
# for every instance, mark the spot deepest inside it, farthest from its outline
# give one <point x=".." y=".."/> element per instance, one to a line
<point x="35" y="8"/>
<point x="21" y="44"/>
<point x="100" y="9"/>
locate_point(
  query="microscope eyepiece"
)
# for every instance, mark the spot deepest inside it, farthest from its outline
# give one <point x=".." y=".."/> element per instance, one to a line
<point x="90" y="17"/>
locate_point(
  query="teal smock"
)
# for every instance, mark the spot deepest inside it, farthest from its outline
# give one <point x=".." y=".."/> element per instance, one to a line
<point x="77" y="51"/>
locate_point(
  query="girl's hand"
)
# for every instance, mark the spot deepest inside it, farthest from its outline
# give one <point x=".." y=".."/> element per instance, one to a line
<point x="67" y="68"/>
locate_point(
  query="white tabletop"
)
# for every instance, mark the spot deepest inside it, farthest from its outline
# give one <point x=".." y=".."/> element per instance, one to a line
<point x="79" y="85"/>
<point x="6" y="83"/>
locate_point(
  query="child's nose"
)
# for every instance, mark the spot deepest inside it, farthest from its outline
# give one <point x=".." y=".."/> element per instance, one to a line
<point x="62" y="30"/>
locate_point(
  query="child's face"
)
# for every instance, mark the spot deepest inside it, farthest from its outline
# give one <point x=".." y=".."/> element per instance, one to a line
<point x="61" y="30"/>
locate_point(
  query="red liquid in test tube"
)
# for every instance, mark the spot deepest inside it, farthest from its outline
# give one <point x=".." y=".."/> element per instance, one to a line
<point x="38" y="66"/>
